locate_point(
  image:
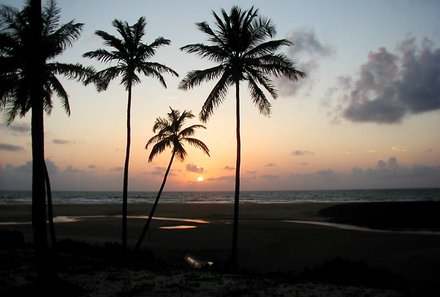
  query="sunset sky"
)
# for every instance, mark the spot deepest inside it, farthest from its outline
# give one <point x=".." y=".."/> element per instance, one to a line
<point x="367" y="115"/>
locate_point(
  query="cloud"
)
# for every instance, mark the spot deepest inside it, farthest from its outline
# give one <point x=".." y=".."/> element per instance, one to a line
<point x="229" y="168"/>
<point x="19" y="177"/>
<point x="10" y="147"/>
<point x="386" y="174"/>
<point x="302" y="153"/>
<point x="158" y="170"/>
<point x="63" y="141"/>
<point x="194" y="168"/>
<point x="307" y="51"/>
<point x="391" y="86"/>
<point x="270" y="165"/>
<point x="17" y="128"/>
<point x="118" y="168"/>
<point x="227" y="178"/>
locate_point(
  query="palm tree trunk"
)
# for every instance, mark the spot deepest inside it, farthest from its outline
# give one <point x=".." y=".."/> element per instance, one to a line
<point x="237" y="178"/>
<point x="150" y="217"/>
<point x="37" y="135"/>
<point x="125" y="186"/>
<point x="49" y="207"/>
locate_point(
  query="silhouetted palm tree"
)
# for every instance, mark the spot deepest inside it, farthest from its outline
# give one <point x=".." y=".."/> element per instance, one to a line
<point x="131" y="56"/>
<point x="29" y="41"/>
<point x="171" y="134"/>
<point x="239" y="43"/>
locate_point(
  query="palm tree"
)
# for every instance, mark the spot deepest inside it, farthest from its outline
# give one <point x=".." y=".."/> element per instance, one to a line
<point x="239" y="43"/>
<point x="30" y="39"/>
<point x="131" y="56"/>
<point x="170" y="133"/>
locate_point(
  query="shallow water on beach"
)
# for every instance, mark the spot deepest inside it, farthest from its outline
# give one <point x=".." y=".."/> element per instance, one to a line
<point x="260" y="197"/>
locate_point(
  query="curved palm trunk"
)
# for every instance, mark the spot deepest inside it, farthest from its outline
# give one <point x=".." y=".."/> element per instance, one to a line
<point x="125" y="186"/>
<point x="150" y="217"/>
<point x="237" y="179"/>
<point x="49" y="207"/>
<point x="37" y="135"/>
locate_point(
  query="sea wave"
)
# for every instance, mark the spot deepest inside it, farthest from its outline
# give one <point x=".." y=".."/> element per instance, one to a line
<point x="260" y="197"/>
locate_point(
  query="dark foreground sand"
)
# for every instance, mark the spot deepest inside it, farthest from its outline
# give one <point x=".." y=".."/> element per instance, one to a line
<point x="268" y="243"/>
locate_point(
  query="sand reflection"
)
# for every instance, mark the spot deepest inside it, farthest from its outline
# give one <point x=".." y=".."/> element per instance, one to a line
<point x="179" y="227"/>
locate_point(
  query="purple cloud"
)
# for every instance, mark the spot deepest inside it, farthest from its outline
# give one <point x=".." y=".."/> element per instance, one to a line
<point x="391" y="86"/>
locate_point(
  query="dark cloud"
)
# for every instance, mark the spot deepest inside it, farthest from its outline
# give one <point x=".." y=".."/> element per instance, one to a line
<point x="270" y="165"/>
<point x="18" y="128"/>
<point x="63" y="141"/>
<point x="302" y="153"/>
<point x="72" y="170"/>
<point x="391" y="86"/>
<point x="385" y="174"/>
<point x="229" y="168"/>
<point x="194" y="168"/>
<point x="158" y="170"/>
<point x="10" y="147"/>
<point x="307" y="51"/>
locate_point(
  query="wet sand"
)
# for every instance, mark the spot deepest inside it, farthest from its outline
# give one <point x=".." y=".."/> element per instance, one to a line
<point x="268" y="240"/>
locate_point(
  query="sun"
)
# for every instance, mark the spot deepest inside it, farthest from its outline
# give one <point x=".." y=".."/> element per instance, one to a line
<point x="200" y="179"/>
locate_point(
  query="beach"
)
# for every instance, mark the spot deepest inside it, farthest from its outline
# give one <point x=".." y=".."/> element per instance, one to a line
<point x="273" y="238"/>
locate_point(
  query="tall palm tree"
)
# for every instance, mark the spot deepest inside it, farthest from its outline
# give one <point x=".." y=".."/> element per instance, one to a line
<point x="130" y="55"/>
<point x="170" y="133"/>
<point x="30" y="39"/>
<point x="242" y="44"/>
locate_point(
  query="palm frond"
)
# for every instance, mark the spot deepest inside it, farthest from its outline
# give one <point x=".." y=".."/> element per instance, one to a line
<point x="212" y="52"/>
<point x="216" y="97"/>
<point x="72" y="71"/>
<point x="180" y="151"/>
<point x="262" y="79"/>
<point x="60" y="91"/>
<point x="158" y="148"/>
<point x="55" y="43"/>
<point x="205" y="28"/>
<point x="160" y="41"/>
<point x="103" y="78"/>
<point x="266" y="48"/>
<point x="198" y="144"/>
<point x="112" y="41"/>
<point x="101" y="55"/>
<point x="155" y="70"/>
<point x="259" y="97"/>
<point x="169" y="133"/>
<point x="196" y="77"/>
<point x="279" y="65"/>
<point x="189" y="131"/>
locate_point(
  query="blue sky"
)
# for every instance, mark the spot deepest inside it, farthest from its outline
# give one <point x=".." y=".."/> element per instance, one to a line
<point x="365" y="117"/>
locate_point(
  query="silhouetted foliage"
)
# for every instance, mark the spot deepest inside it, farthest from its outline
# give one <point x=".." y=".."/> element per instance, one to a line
<point x="242" y="45"/>
<point x="17" y="53"/>
<point x="30" y="40"/>
<point x="171" y="134"/>
<point x="131" y="56"/>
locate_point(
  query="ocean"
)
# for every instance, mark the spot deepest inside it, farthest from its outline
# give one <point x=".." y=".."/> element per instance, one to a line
<point x="260" y="197"/>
